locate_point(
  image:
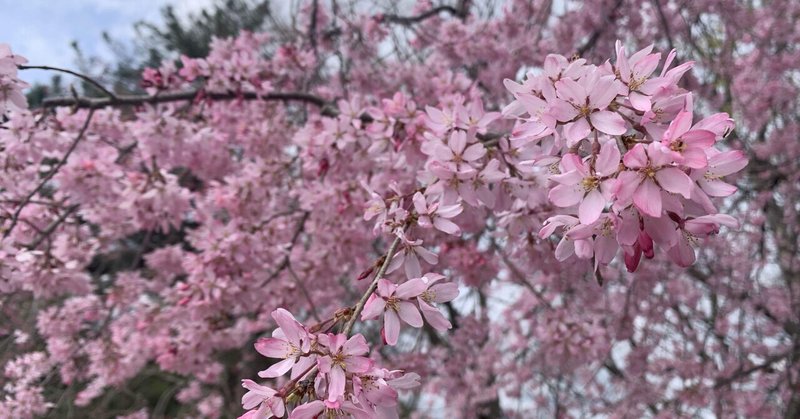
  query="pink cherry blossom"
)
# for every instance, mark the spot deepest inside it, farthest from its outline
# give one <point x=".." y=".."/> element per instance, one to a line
<point x="583" y="106"/>
<point x="344" y="356"/>
<point x="289" y="342"/>
<point x="268" y="401"/>
<point x="586" y="183"/>
<point x="393" y="301"/>
<point x="652" y="171"/>
<point x="436" y="215"/>
<point x="436" y="293"/>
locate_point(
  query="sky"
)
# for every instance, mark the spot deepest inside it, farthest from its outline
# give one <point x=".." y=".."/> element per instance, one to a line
<point x="42" y="30"/>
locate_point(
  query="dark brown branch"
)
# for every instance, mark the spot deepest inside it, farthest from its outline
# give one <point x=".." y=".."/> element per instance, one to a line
<point x="410" y="20"/>
<point x="51" y="228"/>
<point x="287" y="259"/>
<point x="49" y="175"/>
<point x="88" y="79"/>
<point x="663" y="18"/>
<point x="135" y="100"/>
<point x="595" y="36"/>
<point x="743" y="372"/>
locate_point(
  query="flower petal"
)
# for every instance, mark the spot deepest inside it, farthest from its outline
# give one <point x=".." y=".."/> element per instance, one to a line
<point x="391" y="327"/>
<point x="409" y="314"/>
<point x="608" y="122"/>
<point x="648" y="198"/>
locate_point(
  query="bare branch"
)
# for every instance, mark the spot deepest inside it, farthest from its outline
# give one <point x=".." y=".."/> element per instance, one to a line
<point x="49" y="175"/>
<point x="135" y="100"/>
<point x="595" y="36"/>
<point x="88" y="79"/>
<point x="51" y="228"/>
<point x="372" y="286"/>
<point x="410" y="20"/>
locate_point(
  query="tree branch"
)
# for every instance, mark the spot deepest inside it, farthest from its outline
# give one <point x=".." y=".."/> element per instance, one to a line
<point x="743" y="372"/>
<point x="372" y="286"/>
<point x="84" y="77"/>
<point x="410" y="20"/>
<point x="134" y="100"/>
<point x="49" y="175"/>
<point x="595" y="36"/>
<point x="51" y="228"/>
<point x="663" y="18"/>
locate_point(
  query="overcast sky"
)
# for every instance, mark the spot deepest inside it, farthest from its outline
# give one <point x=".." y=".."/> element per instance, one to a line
<point x="42" y="30"/>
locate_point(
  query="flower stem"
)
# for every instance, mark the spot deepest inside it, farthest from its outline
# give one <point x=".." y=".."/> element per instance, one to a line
<point x="360" y="305"/>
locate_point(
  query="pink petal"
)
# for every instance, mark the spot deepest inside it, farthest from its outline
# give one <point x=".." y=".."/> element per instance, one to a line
<point x="636" y="158"/>
<point x="391" y="327"/>
<point x="699" y="138"/>
<point x="409" y="314"/>
<point x="302" y="366"/>
<point x="474" y="152"/>
<point x="411" y="288"/>
<point x="626" y="184"/>
<point x="648" y="198"/>
<point x="289" y="325"/>
<point x="682" y="253"/>
<point x="571" y="91"/>
<point x="427" y="255"/>
<point x="675" y="180"/>
<point x="273" y="348"/>
<point x="356" y="345"/>
<point x="308" y="411"/>
<point x="562" y="110"/>
<point x="576" y="131"/>
<point x="605" y="248"/>
<point x="449" y="211"/>
<point x="358" y="364"/>
<point x="565" y="195"/>
<point x="373" y="308"/>
<point x="724" y="164"/>
<point x="694" y="158"/>
<point x="386" y="288"/>
<point x="412" y="266"/>
<point x="716" y="187"/>
<point x="603" y="92"/>
<point x="608" y="160"/>
<point x="640" y="102"/>
<point x="435" y="318"/>
<point x="446" y="226"/>
<point x="608" y="122"/>
<point x="420" y="205"/>
<point x="444" y="292"/>
<point x="678" y="126"/>
<point x="565" y="249"/>
<point x="336" y="383"/>
<point x="584" y="249"/>
<point x="458" y="141"/>
<point x="591" y="207"/>
<point x="277" y="369"/>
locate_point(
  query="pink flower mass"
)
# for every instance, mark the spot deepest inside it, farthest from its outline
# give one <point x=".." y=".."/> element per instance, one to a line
<point x="417" y="210"/>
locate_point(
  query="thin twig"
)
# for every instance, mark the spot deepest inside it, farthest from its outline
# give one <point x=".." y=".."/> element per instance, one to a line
<point x="663" y="18"/>
<point x="595" y="36"/>
<point x="286" y="259"/>
<point x="304" y="290"/>
<point x="49" y="175"/>
<point x="360" y="305"/>
<point x="51" y="228"/>
<point x="88" y="79"/>
<point x="409" y="20"/>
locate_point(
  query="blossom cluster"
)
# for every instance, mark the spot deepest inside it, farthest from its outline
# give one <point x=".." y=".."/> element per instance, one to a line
<point x="11" y="96"/>
<point x="624" y="160"/>
<point x="330" y="375"/>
